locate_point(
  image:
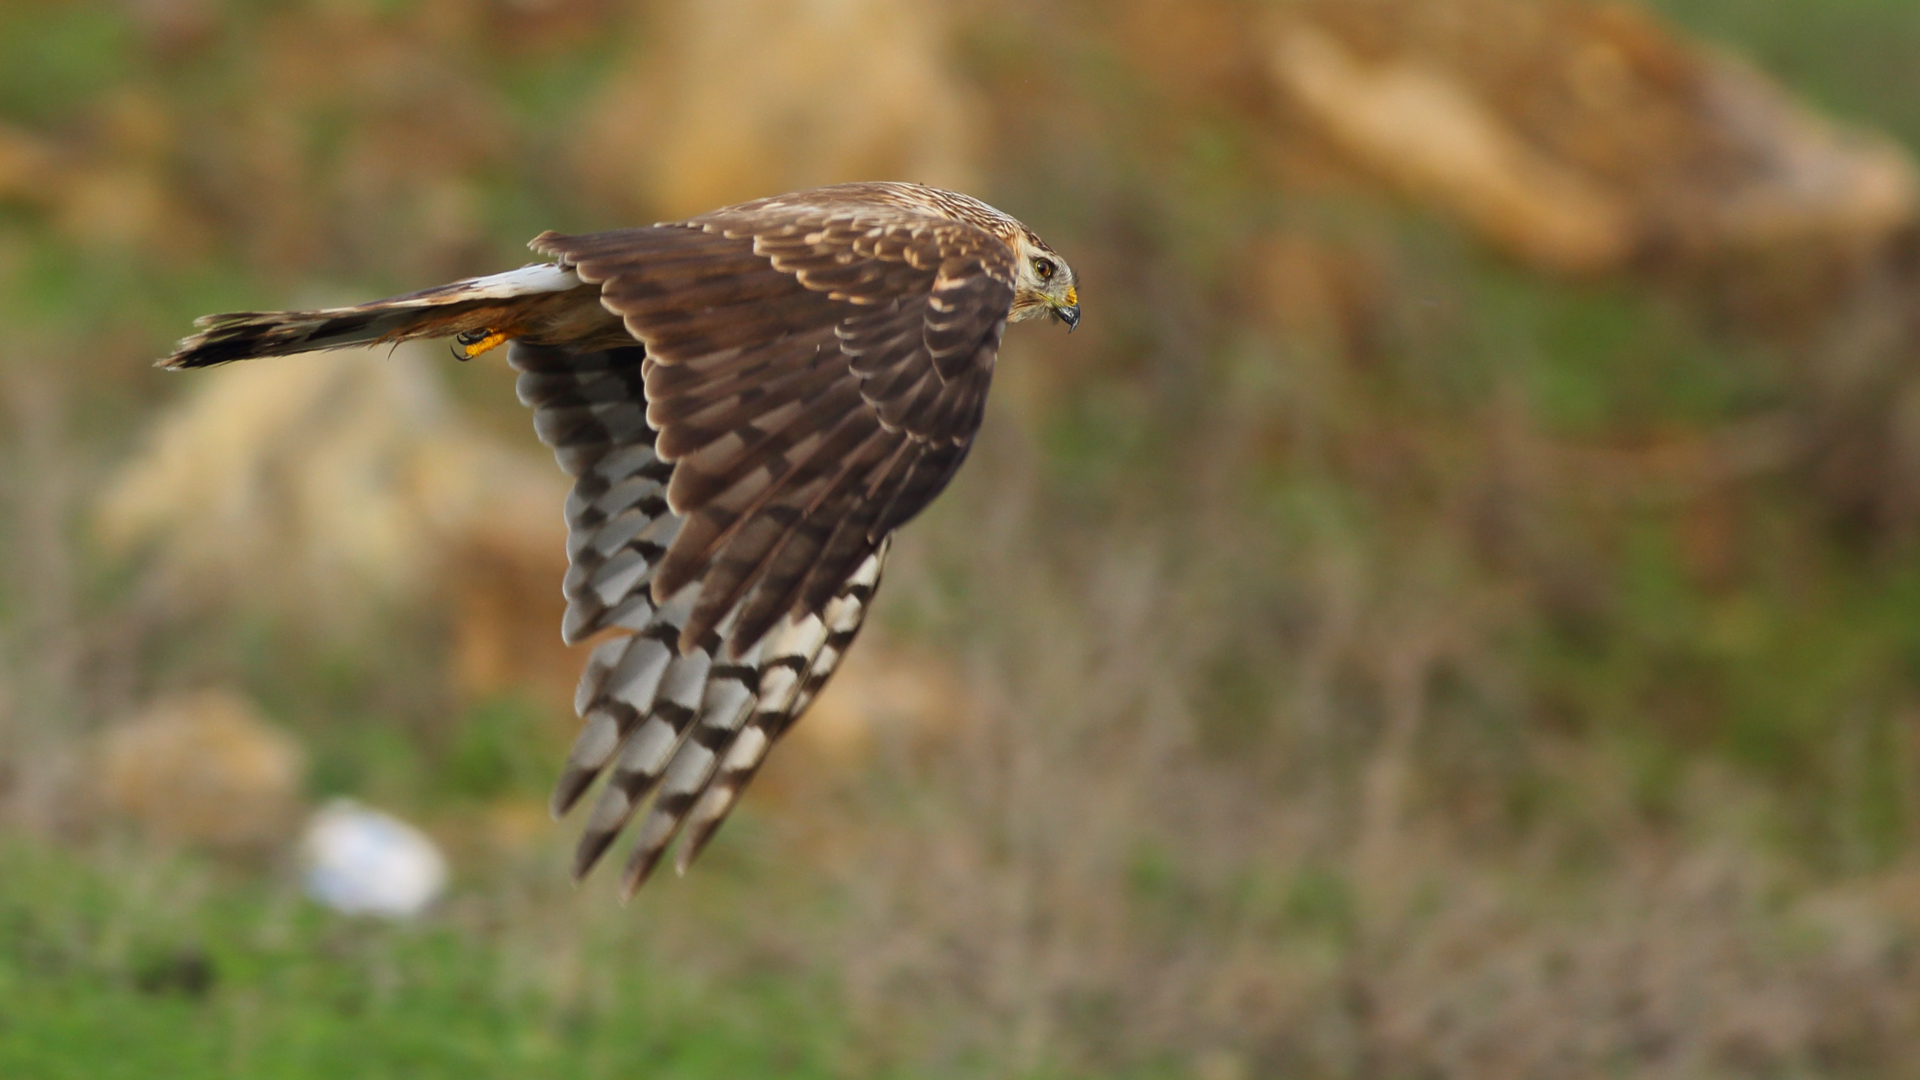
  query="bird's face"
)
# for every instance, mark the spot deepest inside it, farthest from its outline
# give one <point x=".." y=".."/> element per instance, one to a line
<point x="1043" y="285"/>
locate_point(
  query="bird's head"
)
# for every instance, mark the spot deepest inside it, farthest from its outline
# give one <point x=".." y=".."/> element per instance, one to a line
<point x="1043" y="283"/>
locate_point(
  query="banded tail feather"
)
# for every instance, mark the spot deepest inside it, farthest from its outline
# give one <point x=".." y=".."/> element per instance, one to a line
<point x="540" y="299"/>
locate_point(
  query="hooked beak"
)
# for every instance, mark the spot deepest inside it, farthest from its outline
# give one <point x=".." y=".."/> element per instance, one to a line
<point x="1069" y="312"/>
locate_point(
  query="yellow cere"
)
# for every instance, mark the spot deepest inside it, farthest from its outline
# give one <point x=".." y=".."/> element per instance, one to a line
<point x="1073" y="296"/>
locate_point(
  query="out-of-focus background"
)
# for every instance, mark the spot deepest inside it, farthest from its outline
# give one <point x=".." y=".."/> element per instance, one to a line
<point x="1452" y="611"/>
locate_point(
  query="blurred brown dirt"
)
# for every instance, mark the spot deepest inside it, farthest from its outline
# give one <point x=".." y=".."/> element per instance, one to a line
<point x="835" y="92"/>
<point x="204" y="768"/>
<point x="328" y="486"/>
<point x="1590" y="137"/>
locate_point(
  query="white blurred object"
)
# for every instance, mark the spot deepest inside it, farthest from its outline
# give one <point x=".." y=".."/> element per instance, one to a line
<point x="364" y="862"/>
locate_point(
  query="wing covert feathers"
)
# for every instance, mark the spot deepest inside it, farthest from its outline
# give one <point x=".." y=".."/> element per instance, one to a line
<point x="807" y="368"/>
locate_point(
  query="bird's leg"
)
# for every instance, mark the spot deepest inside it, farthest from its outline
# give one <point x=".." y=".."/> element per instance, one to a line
<point x="475" y="342"/>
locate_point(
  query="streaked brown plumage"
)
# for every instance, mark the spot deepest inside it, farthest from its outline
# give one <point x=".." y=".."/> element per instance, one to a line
<point x="751" y="401"/>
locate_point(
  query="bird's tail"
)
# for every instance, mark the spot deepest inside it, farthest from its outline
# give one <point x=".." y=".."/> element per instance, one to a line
<point x="481" y="312"/>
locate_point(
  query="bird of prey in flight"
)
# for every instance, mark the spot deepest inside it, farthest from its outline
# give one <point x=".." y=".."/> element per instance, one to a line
<point x="750" y="401"/>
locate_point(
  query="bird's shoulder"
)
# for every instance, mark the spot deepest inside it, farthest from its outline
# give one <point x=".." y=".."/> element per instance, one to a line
<point x="892" y="221"/>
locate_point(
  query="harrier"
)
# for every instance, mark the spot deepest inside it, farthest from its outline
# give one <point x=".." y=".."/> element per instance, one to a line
<point x="750" y="401"/>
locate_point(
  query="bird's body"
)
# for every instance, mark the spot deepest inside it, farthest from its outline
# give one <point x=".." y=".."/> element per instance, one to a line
<point x="751" y="401"/>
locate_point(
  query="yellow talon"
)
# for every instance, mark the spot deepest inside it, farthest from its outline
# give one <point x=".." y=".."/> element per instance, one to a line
<point x="493" y="339"/>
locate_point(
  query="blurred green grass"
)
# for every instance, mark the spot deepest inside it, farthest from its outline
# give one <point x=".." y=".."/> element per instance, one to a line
<point x="168" y="967"/>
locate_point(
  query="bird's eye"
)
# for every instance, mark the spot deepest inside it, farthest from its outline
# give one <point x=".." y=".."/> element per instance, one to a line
<point x="1044" y="268"/>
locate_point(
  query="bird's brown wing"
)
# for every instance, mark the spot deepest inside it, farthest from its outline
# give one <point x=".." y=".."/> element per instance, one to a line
<point x="805" y="385"/>
<point x="815" y="376"/>
<point x="689" y="728"/>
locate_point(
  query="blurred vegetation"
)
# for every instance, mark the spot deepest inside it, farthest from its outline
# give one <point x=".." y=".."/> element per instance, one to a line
<point x="196" y="972"/>
<point x="1368" y="648"/>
